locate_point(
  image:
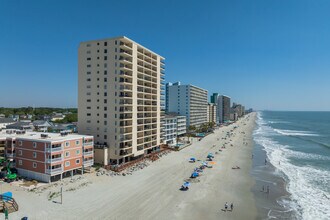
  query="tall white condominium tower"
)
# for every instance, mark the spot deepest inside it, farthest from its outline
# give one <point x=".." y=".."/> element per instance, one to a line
<point x="187" y="100"/>
<point x="120" y="98"/>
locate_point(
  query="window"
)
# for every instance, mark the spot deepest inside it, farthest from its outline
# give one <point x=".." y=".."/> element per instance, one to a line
<point x="78" y="161"/>
<point x="89" y="65"/>
<point x="105" y="115"/>
<point x="105" y="65"/>
<point x="88" y="79"/>
<point x="105" y="137"/>
<point x="88" y="73"/>
<point x="105" y="80"/>
<point x="88" y="52"/>
<point x="105" y="57"/>
<point x="89" y="86"/>
<point x="88" y="107"/>
<point x="67" y="163"/>
<point x="20" y="162"/>
<point x="88" y="114"/>
<point x="34" y="165"/>
<point x="105" y="51"/>
<point x="88" y="93"/>
<point x="88" y="121"/>
<point x="67" y="153"/>
<point x="105" y="43"/>
<point x="34" y="144"/>
<point x="20" y="152"/>
<point x="88" y="100"/>
<point x="78" y="152"/>
<point x="67" y="144"/>
<point x="105" y="122"/>
<point x="77" y="142"/>
<point x="34" y="154"/>
<point x="105" y="94"/>
<point x="105" y="101"/>
<point x="88" y="58"/>
<point x="105" y="72"/>
<point x="20" y="143"/>
<point x="88" y="45"/>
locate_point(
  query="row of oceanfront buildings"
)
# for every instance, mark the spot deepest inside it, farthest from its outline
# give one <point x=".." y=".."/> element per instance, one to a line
<point x="125" y="112"/>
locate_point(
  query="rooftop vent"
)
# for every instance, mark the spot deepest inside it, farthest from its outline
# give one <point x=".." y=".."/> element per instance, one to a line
<point x="44" y="135"/>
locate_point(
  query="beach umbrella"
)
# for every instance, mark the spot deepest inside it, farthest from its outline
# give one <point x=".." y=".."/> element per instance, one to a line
<point x="212" y="162"/>
<point x="186" y="184"/>
<point x="193" y="158"/>
<point x="194" y="174"/>
<point x="204" y="163"/>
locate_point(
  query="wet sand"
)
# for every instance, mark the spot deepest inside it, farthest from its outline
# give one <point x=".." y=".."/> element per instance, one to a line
<point x="153" y="193"/>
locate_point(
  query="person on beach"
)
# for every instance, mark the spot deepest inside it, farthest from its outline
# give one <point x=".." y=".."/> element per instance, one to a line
<point x="226" y="206"/>
<point x="263" y="188"/>
<point x="267" y="189"/>
<point x="231" y="206"/>
<point x="265" y="161"/>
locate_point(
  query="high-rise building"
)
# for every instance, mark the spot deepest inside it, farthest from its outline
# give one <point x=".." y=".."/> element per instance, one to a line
<point x="187" y="100"/>
<point x="212" y="112"/>
<point x="223" y="107"/>
<point x="120" y="98"/>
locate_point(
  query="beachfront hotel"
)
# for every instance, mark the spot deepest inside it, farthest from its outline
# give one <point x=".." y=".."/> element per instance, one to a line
<point x="120" y="98"/>
<point x="174" y="126"/>
<point x="187" y="100"/>
<point x="223" y="107"/>
<point x="47" y="157"/>
<point x="212" y="112"/>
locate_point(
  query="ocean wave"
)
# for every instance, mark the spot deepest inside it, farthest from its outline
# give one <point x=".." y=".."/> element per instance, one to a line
<point x="305" y="184"/>
<point x="295" y="133"/>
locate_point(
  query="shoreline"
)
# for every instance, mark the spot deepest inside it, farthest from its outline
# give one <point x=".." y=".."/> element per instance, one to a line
<point x="275" y="203"/>
<point x="153" y="193"/>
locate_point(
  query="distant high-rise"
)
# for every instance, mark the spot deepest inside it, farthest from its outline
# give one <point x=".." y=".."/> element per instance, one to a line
<point x="223" y="107"/>
<point x="187" y="100"/>
<point x="120" y="98"/>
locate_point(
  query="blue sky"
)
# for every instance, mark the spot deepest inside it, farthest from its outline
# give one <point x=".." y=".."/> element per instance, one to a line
<point x="266" y="54"/>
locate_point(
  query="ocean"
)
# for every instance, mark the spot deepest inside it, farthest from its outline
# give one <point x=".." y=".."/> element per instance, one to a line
<point x="296" y="147"/>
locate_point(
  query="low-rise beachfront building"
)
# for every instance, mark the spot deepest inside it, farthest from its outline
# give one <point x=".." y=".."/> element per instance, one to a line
<point x="181" y="125"/>
<point x="170" y="129"/>
<point x="174" y="126"/>
<point x="48" y="157"/>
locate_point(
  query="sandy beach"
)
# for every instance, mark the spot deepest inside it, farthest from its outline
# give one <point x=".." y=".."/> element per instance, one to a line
<point x="153" y="193"/>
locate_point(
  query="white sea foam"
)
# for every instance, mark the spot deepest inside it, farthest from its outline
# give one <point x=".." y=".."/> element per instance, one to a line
<point x="294" y="132"/>
<point x="305" y="183"/>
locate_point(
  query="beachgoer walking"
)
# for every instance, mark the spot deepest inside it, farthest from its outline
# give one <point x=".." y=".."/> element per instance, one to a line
<point x="232" y="206"/>
<point x="226" y="206"/>
<point x="265" y="161"/>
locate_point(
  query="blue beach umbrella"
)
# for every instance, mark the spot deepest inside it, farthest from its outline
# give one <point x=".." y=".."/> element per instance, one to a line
<point x="186" y="184"/>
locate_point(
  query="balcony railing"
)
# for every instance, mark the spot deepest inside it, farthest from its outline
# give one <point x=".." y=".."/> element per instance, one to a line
<point x="88" y="163"/>
<point x="88" y="153"/>
<point x="53" y="149"/>
<point x="54" y="171"/>
<point x="54" y="160"/>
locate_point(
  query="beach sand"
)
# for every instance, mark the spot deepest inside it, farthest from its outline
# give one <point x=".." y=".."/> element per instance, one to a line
<point x="153" y="193"/>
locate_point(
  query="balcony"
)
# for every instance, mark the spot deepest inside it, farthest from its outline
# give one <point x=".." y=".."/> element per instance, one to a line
<point x="88" y="163"/>
<point x="54" y="160"/>
<point x="88" y="153"/>
<point x="125" y="52"/>
<point x="54" y="149"/>
<point x="10" y="155"/>
<point x="54" y="171"/>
